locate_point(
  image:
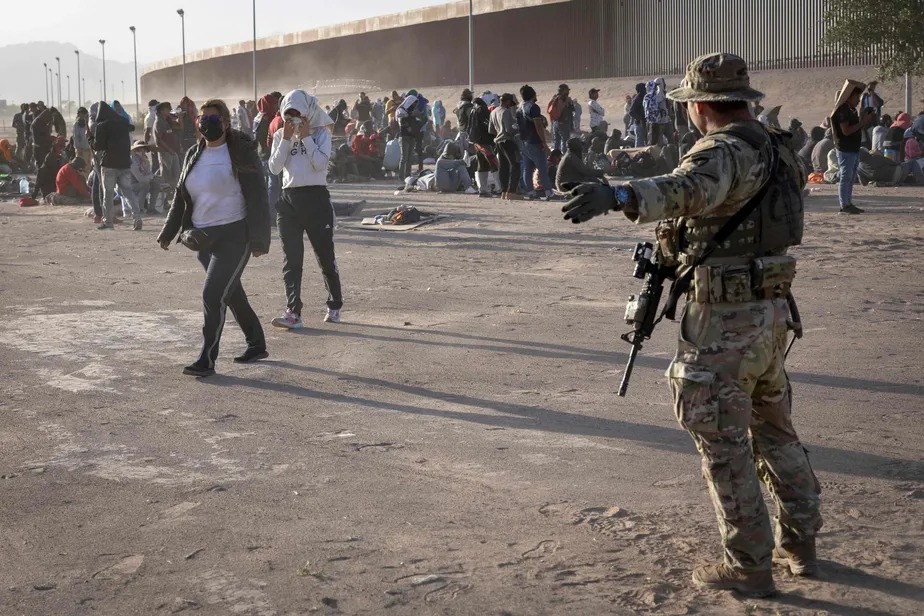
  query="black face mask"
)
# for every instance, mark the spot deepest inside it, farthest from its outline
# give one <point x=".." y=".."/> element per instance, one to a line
<point x="210" y="129"/>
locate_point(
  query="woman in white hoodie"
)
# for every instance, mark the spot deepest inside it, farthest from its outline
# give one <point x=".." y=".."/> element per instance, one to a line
<point x="301" y="152"/>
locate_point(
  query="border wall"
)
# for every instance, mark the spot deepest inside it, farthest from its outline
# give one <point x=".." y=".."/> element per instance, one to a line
<point x="515" y="41"/>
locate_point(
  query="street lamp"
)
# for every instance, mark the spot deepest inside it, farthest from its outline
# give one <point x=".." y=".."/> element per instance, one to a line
<point x="102" y="43"/>
<point x="471" y="46"/>
<point x="123" y="91"/>
<point x="135" y="45"/>
<point x="255" y="97"/>
<point x="68" y="95"/>
<point x="60" y="103"/>
<point x="45" y="77"/>
<point x="79" y="80"/>
<point x="83" y="84"/>
<point x="182" y="15"/>
<point x="51" y="87"/>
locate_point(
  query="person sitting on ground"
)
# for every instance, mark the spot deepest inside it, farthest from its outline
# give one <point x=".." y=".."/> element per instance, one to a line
<point x="446" y="132"/>
<point x="805" y="153"/>
<point x="879" y="133"/>
<point x="875" y="167"/>
<point x="614" y="141"/>
<point x="367" y="151"/>
<point x="821" y="150"/>
<point x="573" y="170"/>
<point x="833" y="170"/>
<point x="913" y="145"/>
<point x="451" y="171"/>
<point x="596" y="157"/>
<point x="8" y="158"/>
<point x="893" y="145"/>
<point x="46" y="177"/>
<point x="71" y="185"/>
<point x="343" y="165"/>
<point x="799" y="136"/>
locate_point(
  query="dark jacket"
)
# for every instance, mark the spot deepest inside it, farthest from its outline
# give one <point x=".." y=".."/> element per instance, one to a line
<point x="42" y="126"/>
<point x="113" y="138"/>
<point x="478" y="125"/>
<point x="637" y="107"/>
<point x="249" y="171"/>
<point x="464" y="113"/>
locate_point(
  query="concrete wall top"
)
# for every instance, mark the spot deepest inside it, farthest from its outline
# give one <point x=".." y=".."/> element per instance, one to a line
<point x="451" y="10"/>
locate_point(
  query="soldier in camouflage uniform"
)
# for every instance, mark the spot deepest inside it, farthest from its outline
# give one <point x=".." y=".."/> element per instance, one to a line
<point x="728" y="382"/>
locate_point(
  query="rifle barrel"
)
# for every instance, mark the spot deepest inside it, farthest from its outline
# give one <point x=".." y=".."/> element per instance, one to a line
<point x="624" y="385"/>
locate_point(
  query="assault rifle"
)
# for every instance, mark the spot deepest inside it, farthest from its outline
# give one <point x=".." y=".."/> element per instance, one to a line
<point x="642" y="310"/>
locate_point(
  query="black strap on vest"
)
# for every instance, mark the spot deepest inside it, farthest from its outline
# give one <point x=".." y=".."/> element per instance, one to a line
<point x="682" y="285"/>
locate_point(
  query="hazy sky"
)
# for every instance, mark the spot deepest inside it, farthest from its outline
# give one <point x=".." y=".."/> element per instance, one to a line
<point x="209" y="23"/>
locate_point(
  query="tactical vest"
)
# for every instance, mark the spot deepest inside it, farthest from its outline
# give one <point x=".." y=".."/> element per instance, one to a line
<point x="774" y="225"/>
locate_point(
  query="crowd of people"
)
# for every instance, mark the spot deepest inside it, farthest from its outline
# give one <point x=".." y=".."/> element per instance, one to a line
<point x="858" y="142"/>
<point x="234" y="172"/>
<point x="496" y="146"/>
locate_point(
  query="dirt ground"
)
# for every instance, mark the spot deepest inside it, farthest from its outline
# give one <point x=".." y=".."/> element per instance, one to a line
<point x="455" y="446"/>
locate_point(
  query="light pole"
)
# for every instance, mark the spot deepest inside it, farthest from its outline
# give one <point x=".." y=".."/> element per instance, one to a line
<point x="471" y="46"/>
<point x="45" y="77"/>
<point x="908" y="100"/>
<point x="51" y="87"/>
<point x="255" y="97"/>
<point x="135" y="45"/>
<point x="68" y="96"/>
<point x="102" y="92"/>
<point x="123" y="91"/>
<point x="79" y="80"/>
<point x="182" y="15"/>
<point x="60" y="103"/>
<point x="83" y="83"/>
<point x="102" y="43"/>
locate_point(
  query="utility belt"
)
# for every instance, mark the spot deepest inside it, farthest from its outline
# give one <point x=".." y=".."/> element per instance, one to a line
<point x="762" y="278"/>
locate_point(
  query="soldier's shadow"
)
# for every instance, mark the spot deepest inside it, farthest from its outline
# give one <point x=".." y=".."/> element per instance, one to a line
<point x="831" y="572"/>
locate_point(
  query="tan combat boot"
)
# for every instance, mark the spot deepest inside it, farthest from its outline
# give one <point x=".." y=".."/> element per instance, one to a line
<point x="722" y="577"/>
<point x="799" y="557"/>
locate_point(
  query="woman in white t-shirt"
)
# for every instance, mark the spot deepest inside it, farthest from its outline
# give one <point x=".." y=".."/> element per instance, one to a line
<point x="222" y="211"/>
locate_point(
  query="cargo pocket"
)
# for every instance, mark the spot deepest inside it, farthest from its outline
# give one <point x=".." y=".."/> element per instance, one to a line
<point x="695" y="394"/>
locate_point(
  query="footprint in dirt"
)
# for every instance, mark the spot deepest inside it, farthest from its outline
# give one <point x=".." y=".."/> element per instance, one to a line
<point x="605" y="520"/>
<point x="544" y="548"/>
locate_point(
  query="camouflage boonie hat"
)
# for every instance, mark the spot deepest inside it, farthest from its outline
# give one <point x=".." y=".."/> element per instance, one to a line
<point x="716" y="77"/>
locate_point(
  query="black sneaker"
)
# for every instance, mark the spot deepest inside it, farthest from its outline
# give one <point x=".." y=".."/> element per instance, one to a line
<point x="859" y="209"/>
<point x="198" y="370"/>
<point x="851" y="209"/>
<point x="251" y="355"/>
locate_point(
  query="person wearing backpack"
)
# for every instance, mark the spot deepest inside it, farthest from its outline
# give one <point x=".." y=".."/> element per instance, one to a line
<point x="561" y="112"/>
<point x="411" y="121"/>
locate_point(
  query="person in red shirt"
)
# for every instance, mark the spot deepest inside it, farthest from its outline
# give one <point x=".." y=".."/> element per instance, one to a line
<point x="367" y="151"/>
<point x="70" y="184"/>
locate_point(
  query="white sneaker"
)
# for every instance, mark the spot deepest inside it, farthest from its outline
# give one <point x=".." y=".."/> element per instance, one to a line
<point x="289" y="320"/>
<point x="332" y="316"/>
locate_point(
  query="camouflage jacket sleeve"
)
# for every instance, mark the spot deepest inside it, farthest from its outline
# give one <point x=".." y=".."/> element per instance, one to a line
<point x="717" y="176"/>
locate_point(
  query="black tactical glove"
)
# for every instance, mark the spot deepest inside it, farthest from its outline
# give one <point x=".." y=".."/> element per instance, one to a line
<point x="589" y="200"/>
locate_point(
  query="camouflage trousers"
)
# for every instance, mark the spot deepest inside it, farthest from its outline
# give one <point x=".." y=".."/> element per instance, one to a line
<point x="732" y="394"/>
